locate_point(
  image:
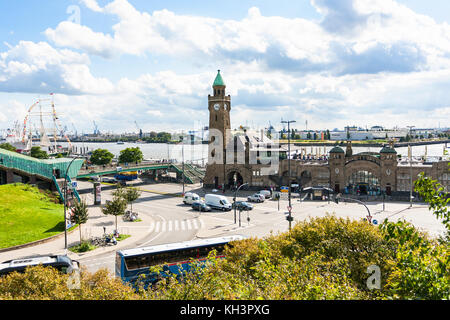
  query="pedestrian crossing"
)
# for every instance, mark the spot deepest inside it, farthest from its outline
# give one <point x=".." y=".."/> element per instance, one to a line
<point x="175" y="225"/>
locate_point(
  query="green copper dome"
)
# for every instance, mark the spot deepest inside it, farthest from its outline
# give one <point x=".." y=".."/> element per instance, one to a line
<point x="387" y="149"/>
<point x="218" y="81"/>
<point x="337" y="150"/>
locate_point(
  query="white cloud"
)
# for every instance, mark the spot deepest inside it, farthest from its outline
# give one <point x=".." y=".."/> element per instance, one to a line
<point x="25" y="67"/>
<point x="374" y="60"/>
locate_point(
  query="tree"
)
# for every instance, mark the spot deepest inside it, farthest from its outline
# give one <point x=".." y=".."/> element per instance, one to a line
<point x="101" y="157"/>
<point x="80" y="214"/>
<point x="434" y="194"/>
<point x="36" y="152"/>
<point x="117" y="206"/>
<point x="131" y="155"/>
<point x="131" y="194"/>
<point x="8" y="147"/>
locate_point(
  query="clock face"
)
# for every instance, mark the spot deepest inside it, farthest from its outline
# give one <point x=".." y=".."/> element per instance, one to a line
<point x="336" y="170"/>
<point x="216" y="106"/>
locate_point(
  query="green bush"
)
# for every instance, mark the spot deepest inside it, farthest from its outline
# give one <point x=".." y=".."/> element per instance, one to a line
<point x="84" y="246"/>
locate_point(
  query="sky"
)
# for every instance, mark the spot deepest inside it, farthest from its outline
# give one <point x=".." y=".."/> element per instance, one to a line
<point x="325" y="64"/>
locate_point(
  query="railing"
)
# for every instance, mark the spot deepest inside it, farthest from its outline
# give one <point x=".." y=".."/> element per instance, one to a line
<point x="58" y="188"/>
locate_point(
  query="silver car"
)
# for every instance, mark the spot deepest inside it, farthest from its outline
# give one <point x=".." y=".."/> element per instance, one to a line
<point x="256" y="198"/>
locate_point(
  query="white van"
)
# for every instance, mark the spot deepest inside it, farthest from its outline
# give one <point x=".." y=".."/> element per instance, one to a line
<point x="266" y="193"/>
<point x="190" y="197"/>
<point x="219" y="202"/>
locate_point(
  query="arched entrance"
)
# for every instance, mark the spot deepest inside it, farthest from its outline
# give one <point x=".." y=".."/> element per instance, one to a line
<point x="363" y="182"/>
<point x="235" y="179"/>
<point x="305" y="179"/>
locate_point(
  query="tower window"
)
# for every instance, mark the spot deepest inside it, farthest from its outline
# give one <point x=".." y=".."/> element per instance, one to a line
<point x="216" y="117"/>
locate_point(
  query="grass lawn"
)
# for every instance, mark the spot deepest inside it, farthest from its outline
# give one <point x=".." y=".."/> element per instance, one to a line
<point x="27" y="215"/>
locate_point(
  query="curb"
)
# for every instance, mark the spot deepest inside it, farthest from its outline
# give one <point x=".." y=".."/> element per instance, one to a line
<point x="37" y="242"/>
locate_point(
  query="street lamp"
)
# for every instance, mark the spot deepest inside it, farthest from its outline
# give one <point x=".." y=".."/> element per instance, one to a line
<point x="369" y="216"/>
<point x="234" y="200"/>
<point x="289" y="170"/>
<point x="65" y="201"/>
<point x="410" y="169"/>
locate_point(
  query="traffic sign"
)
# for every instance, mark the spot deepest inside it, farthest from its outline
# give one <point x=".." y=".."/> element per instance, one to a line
<point x="74" y="184"/>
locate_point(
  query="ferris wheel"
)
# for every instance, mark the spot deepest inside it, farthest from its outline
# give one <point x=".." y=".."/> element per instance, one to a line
<point x="42" y="117"/>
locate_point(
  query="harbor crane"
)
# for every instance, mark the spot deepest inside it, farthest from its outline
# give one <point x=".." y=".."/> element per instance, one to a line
<point x="96" y="131"/>
<point x="139" y="129"/>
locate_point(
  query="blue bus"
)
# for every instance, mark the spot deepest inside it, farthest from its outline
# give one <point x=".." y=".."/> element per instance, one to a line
<point x="174" y="257"/>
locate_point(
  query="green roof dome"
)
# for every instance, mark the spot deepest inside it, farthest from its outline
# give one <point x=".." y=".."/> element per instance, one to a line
<point x="218" y="81"/>
<point x="337" y="150"/>
<point x="387" y="149"/>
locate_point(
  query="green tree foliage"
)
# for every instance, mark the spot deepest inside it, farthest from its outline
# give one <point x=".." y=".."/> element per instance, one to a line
<point x="117" y="206"/>
<point x="101" y="157"/>
<point x="8" y="147"/>
<point x="46" y="283"/>
<point x="80" y="214"/>
<point x="129" y="155"/>
<point x="131" y="194"/>
<point x="434" y="194"/>
<point x="36" y="152"/>
<point x="158" y="137"/>
<point x="421" y="268"/>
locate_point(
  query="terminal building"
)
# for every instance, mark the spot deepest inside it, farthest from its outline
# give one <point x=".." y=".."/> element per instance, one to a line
<point x="244" y="158"/>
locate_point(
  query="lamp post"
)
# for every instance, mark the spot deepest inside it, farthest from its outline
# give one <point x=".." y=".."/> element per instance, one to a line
<point x="289" y="218"/>
<point x="338" y="198"/>
<point x="182" y="159"/>
<point x="234" y="200"/>
<point x="410" y="169"/>
<point x="65" y="201"/>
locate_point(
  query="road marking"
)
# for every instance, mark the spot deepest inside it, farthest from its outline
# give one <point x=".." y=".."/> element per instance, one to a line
<point x="170" y="225"/>
<point x="183" y="225"/>
<point x="176" y="225"/>
<point x="158" y="225"/>
<point x="189" y="224"/>
<point x="195" y="224"/>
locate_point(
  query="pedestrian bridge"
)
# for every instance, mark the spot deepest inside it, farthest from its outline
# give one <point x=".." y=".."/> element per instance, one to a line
<point x="13" y="163"/>
<point x="191" y="173"/>
<point x="16" y="167"/>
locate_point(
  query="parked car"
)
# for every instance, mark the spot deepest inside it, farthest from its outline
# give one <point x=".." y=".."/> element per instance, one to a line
<point x="219" y="202"/>
<point x="266" y="193"/>
<point x="109" y="179"/>
<point x="256" y="198"/>
<point x="190" y="197"/>
<point x="200" y="206"/>
<point x="243" y="206"/>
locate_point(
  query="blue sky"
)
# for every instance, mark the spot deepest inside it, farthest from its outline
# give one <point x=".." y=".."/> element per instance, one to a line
<point x="333" y="63"/>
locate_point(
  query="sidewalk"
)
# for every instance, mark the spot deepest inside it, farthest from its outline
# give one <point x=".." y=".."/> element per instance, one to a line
<point x="93" y="228"/>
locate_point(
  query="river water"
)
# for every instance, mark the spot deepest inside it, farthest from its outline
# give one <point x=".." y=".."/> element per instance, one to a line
<point x="198" y="153"/>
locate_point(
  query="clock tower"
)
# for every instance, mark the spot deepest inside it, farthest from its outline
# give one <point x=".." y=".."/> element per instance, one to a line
<point x="219" y="111"/>
<point x="219" y="106"/>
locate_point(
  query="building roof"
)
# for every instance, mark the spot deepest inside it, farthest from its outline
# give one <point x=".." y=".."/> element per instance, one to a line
<point x="218" y="81"/>
<point x="387" y="149"/>
<point x="337" y="150"/>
